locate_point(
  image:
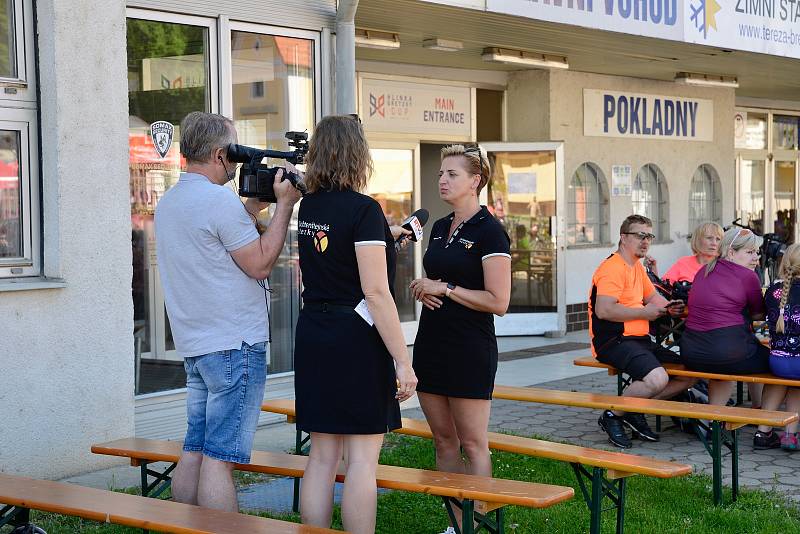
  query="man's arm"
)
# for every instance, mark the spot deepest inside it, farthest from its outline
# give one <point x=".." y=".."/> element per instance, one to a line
<point x="257" y="258"/>
<point x="609" y="309"/>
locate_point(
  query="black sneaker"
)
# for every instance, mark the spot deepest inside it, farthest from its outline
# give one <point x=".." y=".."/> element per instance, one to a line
<point x="766" y="440"/>
<point x="638" y="425"/>
<point x="612" y="425"/>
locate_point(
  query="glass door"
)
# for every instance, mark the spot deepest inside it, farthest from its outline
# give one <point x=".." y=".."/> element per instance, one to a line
<point x="272" y="91"/>
<point x="785" y="208"/>
<point x="392" y="184"/>
<point x="171" y="72"/>
<point x="525" y="195"/>
<point x="751" y="193"/>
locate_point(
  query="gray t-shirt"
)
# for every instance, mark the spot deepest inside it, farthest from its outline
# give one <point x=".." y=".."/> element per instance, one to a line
<point x="212" y="304"/>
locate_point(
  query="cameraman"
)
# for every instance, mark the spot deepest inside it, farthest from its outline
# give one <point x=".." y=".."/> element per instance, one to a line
<point x="211" y="259"/>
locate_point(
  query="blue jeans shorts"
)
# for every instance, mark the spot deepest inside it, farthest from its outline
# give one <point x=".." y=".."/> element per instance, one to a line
<point x="223" y="401"/>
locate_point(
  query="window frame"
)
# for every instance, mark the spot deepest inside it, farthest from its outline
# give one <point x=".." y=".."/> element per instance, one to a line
<point x="603" y="206"/>
<point x="227" y="27"/>
<point x="158" y="326"/>
<point x="24" y="49"/>
<point x="661" y="218"/>
<point x="710" y="175"/>
<point x="25" y="122"/>
<point x="19" y="112"/>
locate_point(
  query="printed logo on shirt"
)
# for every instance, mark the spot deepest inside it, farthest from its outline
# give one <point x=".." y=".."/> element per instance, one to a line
<point x="308" y="228"/>
<point x="467" y="243"/>
<point x="321" y="241"/>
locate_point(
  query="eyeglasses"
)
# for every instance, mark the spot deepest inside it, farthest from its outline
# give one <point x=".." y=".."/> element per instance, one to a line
<point x="355" y="117"/>
<point x="641" y="236"/>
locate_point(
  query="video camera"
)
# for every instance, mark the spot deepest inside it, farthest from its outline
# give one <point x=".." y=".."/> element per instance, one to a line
<point x="256" y="179"/>
<point x="773" y="246"/>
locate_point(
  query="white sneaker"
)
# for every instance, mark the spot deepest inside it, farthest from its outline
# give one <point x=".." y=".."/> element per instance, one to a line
<point x="450" y="530"/>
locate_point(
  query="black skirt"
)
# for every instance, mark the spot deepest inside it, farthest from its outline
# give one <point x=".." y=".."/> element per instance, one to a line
<point x="730" y="350"/>
<point x="344" y="376"/>
<point x="455" y="352"/>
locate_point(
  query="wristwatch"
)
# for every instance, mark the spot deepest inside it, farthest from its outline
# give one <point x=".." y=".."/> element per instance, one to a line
<point x="450" y="288"/>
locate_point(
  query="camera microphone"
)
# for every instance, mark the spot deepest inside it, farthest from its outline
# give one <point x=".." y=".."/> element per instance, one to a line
<point x="413" y="224"/>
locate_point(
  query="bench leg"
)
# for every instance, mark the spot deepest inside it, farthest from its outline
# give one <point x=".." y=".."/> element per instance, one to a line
<point x="160" y="484"/>
<point x="734" y="464"/>
<point x="719" y="438"/>
<point x="601" y="488"/>
<point x="716" y="457"/>
<point x="596" y="507"/>
<point x="500" y="519"/>
<point x="299" y="448"/>
<point x="469" y="516"/>
<point x="739" y="393"/>
<point x="621" y="505"/>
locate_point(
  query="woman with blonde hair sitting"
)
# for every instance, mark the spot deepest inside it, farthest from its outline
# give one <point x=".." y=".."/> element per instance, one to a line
<point x="724" y="300"/>
<point x="705" y="248"/>
<point x="783" y="317"/>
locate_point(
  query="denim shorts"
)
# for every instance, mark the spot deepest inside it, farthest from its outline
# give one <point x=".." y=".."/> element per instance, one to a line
<point x="223" y="401"/>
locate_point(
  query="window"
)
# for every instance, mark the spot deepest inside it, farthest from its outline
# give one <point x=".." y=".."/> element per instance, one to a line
<point x="168" y="77"/>
<point x="587" y="204"/>
<point x="273" y="88"/>
<point x="705" y="197"/>
<point x="20" y="233"/>
<point x="650" y="198"/>
<point x="784" y="132"/>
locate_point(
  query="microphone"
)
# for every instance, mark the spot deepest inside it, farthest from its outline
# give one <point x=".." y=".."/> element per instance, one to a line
<point x="414" y="224"/>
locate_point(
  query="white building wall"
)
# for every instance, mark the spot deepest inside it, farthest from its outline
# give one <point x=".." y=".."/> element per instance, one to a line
<point x="68" y="352"/>
<point x="677" y="159"/>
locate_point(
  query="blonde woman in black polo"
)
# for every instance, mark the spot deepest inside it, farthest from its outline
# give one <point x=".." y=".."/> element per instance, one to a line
<point x="468" y="268"/>
<point x="351" y="362"/>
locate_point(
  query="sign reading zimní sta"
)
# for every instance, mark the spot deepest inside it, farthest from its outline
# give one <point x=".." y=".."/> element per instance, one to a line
<point x="765" y="26"/>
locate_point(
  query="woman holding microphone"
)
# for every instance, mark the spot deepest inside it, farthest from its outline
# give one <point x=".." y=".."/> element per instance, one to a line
<point x="468" y="267"/>
<point x="351" y="362"/>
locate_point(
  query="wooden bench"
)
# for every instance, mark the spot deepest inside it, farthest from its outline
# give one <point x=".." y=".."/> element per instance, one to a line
<point x="456" y="489"/>
<point x="20" y="495"/>
<point x="724" y="420"/>
<point x="677" y="369"/>
<point x="609" y="470"/>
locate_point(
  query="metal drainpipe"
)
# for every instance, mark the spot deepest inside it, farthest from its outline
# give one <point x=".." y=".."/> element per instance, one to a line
<point x="346" y="57"/>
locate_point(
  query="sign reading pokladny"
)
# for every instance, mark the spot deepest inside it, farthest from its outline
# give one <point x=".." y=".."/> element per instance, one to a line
<point x="646" y="116"/>
<point x="765" y="26"/>
<point x="418" y="108"/>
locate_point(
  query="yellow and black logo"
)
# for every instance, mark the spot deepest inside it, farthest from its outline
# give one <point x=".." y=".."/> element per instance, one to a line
<point x="321" y="241"/>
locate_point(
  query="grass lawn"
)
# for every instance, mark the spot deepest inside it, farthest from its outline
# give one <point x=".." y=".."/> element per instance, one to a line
<point x="653" y="506"/>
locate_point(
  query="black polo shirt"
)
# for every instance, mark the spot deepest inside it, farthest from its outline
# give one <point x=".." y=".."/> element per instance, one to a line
<point x="459" y="260"/>
<point x="330" y="226"/>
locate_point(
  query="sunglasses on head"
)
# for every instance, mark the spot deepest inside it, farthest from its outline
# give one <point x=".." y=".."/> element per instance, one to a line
<point x="354" y="116"/>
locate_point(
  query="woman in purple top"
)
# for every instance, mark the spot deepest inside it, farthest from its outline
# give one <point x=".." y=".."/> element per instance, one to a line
<point x="783" y="317"/>
<point x="724" y="300"/>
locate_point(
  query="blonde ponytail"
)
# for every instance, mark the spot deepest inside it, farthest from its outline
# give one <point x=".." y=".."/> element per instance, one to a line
<point x="789" y="271"/>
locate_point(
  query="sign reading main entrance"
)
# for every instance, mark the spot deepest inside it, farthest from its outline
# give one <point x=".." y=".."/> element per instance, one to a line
<point x="424" y="109"/>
